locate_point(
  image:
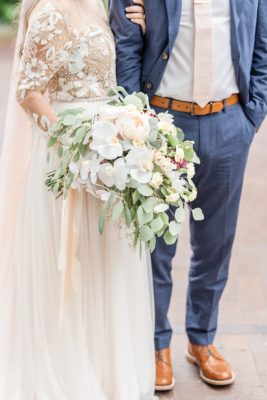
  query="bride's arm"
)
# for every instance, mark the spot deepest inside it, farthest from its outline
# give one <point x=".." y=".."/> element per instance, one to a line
<point x="137" y="14"/>
<point x="42" y="56"/>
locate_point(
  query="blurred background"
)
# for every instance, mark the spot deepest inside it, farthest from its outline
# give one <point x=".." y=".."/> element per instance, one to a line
<point x="242" y="335"/>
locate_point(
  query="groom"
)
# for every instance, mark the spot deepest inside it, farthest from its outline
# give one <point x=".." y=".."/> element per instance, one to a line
<point x="204" y="61"/>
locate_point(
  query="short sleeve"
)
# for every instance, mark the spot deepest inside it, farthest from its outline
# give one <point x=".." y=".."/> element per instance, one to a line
<point x="45" y="50"/>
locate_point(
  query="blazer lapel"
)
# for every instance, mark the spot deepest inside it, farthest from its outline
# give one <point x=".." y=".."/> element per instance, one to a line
<point x="174" y="9"/>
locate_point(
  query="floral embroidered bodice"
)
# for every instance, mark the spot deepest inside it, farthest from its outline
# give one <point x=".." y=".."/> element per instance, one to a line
<point x="67" y="62"/>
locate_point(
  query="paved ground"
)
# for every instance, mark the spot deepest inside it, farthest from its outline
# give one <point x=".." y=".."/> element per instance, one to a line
<point x="243" y="316"/>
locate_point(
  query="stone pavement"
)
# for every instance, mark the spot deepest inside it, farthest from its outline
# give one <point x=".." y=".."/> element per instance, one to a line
<point x="242" y="336"/>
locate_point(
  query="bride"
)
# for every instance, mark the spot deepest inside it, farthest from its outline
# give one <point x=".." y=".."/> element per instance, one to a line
<point x="103" y="348"/>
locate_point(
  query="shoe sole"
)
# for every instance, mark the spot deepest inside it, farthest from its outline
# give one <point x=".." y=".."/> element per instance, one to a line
<point x="165" y="388"/>
<point x="211" y="382"/>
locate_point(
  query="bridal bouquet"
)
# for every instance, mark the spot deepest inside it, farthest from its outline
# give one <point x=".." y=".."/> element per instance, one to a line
<point x="134" y="160"/>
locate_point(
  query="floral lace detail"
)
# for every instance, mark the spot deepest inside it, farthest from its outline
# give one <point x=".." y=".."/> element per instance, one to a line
<point x="69" y="63"/>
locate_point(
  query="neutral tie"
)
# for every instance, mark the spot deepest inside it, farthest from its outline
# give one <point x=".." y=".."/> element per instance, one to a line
<point x="203" y="63"/>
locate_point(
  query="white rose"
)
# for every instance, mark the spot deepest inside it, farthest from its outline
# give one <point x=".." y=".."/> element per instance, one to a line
<point x="156" y="180"/>
<point x="172" y="198"/>
<point x="179" y="154"/>
<point x="167" y="128"/>
<point x="190" y="196"/>
<point x="133" y="126"/>
<point x="166" y="117"/>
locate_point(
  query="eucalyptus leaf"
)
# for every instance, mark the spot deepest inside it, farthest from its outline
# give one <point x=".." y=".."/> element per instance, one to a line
<point x="197" y="214"/>
<point x="136" y="196"/>
<point x="157" y="225"/>
<point x="175" y="228"/>
<point x="161" y="208"/>
<point x="144" y="99"/>
<point x="69" y="120"/>
<point x="60" y="151"/>
<point x="51" y="141"/>
<point x="127" y="216"/>
<point x="74" y="111"/>
<point x="133" y="99"/>
<point x="149" y="204"/>
<point x="169" y="239"/>
<point x="145" y="190"/>
<point x="173" y="141"/>
<point x="79" y="135"/>
<point x="76" y="157"/>
<point x="146" y="233"/>
<point x="189" y="154"/>
<point x="180" y="214"/>
<point x="102" y="221"/>
<point x="180" y="135"/>
<point x="152" y="244"/>
<point x="165" y="218"/>
<point x="117" y="210"/>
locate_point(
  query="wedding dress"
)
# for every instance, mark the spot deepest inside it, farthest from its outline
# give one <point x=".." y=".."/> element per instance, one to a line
<point x="104" y="349"/>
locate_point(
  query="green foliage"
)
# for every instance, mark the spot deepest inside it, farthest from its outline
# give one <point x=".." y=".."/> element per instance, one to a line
<point x="7" y="10"/>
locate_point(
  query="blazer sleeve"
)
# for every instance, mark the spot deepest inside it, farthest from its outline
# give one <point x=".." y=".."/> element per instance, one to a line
<point x="256" y="108"/>
<point x="129" y="46"/>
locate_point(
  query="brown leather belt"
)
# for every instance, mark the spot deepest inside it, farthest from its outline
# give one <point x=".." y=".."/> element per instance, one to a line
<point x="193" y="108"/>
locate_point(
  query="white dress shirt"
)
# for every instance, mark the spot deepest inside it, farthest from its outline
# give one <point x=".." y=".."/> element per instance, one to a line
<point x="177" y="82"/>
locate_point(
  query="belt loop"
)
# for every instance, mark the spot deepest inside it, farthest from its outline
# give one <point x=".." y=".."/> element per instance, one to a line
<point x="169" y="103"/>
<point x="224" y="105"/>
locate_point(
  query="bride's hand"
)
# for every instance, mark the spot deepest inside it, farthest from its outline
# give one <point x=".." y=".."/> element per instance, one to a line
<point x="137" y="14"/>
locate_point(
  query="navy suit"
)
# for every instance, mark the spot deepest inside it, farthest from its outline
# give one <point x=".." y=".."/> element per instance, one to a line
<point x="222" y="142"/>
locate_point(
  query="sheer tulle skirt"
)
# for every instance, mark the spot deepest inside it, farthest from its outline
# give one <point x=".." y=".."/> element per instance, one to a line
<point x="104" y="350"/>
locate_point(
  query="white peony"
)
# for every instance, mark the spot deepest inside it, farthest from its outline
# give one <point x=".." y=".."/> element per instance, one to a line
<point x="156" y="180"/>
<point x="133" y="126"/>
<point x="105" y="141"/>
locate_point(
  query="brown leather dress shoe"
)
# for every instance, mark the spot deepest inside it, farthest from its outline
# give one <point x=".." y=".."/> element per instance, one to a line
<point x="164" y="375"/>
<point x="214" y="370"/>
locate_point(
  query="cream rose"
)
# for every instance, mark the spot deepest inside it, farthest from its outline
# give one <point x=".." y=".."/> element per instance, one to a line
<point x="156" y="180"/>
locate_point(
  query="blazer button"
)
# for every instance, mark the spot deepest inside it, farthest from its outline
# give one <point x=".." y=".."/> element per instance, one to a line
<point x="149" y="85"/>
<point x="165" y="56"/>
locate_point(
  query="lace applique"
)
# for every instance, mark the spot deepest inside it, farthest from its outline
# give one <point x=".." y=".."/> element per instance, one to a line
<point x="68" y="62"/>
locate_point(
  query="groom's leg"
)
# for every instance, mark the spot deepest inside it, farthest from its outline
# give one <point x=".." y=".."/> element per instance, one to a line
<point x="224" y="145"/>
<point x="163" y="254"/>
<point x="162" y="258"/>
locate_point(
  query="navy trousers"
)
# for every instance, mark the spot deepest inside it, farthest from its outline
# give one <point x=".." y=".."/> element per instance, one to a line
<point x="222" y="142"/>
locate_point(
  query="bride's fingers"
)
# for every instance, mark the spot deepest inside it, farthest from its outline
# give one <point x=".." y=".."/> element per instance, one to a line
<point x="132" y="16"/>
<point x="141" y="2"/>
<point x="140" y="22"/>
<point x="135" y="9"/>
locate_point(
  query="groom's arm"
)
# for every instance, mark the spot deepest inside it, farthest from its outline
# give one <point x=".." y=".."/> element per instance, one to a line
<point x="256" y="108"/>
<point x="129" y="46"/>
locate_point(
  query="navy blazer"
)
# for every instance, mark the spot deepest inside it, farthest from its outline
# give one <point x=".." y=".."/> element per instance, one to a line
<point x="141" y="60"/>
